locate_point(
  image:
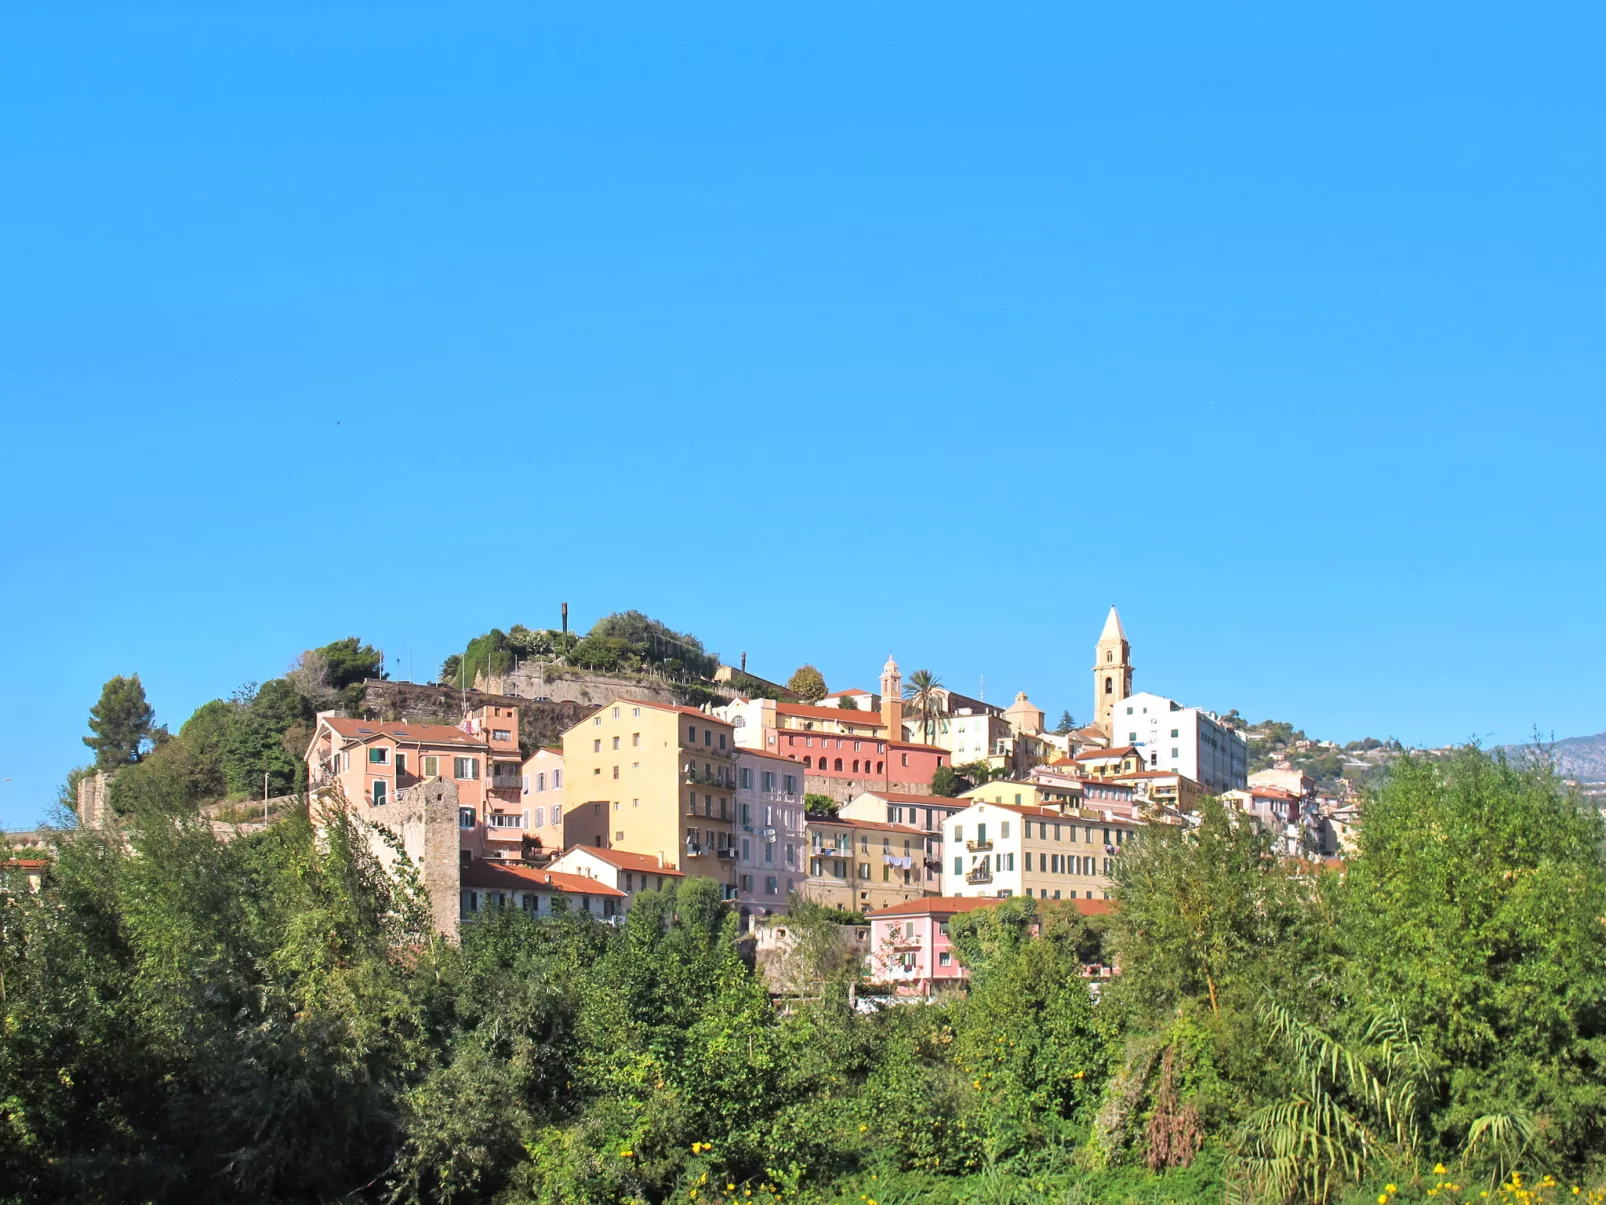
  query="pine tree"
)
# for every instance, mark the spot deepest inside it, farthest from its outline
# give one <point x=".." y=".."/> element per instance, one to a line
<point x="1066" y="724"/>
<point x="120" y="723"/>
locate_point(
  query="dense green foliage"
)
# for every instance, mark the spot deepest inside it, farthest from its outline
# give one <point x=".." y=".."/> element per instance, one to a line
<point x="269" y="1021"/>
<point x="625" y="641"/>
<point x="120" y="723"/>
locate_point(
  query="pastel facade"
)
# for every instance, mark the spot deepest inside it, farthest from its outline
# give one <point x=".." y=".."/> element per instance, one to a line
<point x="909" y="947"/>
<point x="1165" y="788"/>
<point x="924" y="812"/>
<point x="863" y="865"/>
<point x="542" y="785"/>
<point x="1110" y="763"/>
<point x="488" y="885"/>
<point x="770" y="859"/>
<point x="628" y="873"/>
<point x="1002" y="850"/>
<point x="369" y="761"/>
<point x="656" y="780"/>
<point x="1029" y="793"/>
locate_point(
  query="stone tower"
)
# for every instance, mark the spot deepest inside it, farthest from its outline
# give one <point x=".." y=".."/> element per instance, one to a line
<point x="1112" y="672"/>
<point x="892" y="699"/>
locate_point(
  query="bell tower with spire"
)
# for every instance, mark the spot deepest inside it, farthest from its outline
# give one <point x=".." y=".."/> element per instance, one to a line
<point x="1112" y="672"/>
<point x="892" y="699"/>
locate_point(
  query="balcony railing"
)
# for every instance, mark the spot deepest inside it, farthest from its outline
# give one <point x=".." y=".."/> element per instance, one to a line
<point x="982" y="874"/>
<point x="977" y="847"/>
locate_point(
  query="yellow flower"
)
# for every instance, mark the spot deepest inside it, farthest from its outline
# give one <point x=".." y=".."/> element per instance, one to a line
<point x="1389" y="1188"/>
<point x="730" y="1188"/>
<point x="626" y="1154"/>
<point x="1382" y="1199"/>
<point x="1438" y="1169"/>
<point x="862" y="1129"/>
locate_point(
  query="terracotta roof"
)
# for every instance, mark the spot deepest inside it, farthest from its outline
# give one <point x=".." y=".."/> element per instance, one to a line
<point x="905" y="797"/>
<point x="513" y="877"/>
<point x="1177" y="774"/>
<point x="1118" y="751"/>
<point x="852" y="690"/>
<point x="938" y="905"/>
<point x="692" y="711"/>
<point x="24" y="864"/>
<point x="877" y="825"/>
<point x="763" y="753"/>
<point x="910" y="745"/>
<point x="413" y="734"/>
<point x="1273" y="793"/>
<point x="809" y="711"/>
<point x="625" y="860"/>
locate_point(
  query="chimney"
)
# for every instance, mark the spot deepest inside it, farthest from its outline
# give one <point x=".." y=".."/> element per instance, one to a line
<point x="744" y="661"/>
<point x="565" y="619"/>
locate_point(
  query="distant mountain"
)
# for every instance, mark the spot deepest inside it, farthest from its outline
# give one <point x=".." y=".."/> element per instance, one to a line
<point x="1578" y="757"/>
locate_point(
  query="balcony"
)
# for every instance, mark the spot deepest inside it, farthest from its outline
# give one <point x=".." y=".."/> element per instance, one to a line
<point x="725" y="851"/>
<point x="977" y="847"/>
<point x="909" y="941"/>
<point x="982" y="874"/>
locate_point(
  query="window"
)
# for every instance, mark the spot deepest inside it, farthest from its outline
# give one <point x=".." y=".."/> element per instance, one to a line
<point x="378" y="757"/>
<point x="635" y="711"/>
<point x="1028" y="861"/>
<point x="466" y="769"/>
<point x="959" y="865"/>
<point x="557" y="813"/>
<point x="619" y="836"/>
<point x="769" y="781"/>
<point x="1003" y="831"/>
<point x="808" y="762"/>
<point x="596" y="746"/>
<point x="721" y="740"/>
<point x="771" y="885"/>
<point x="539" y="816"/>
<point x="635" y="738"/>
<point x="596" y="721"/>
<point x="1109" y="686"/>
<point x="379" y="792"/>
<point x="557" y="779"/>
<point x="945" y="959"/>
<point x="432" y="767"/>
<point x="1173" y="734"/>
<point x="905" y="757"/>
<point x="864" y="870"/>
<point x="616" y="771"/>
<point x="465" y="819"/>
<point x="401" y="762"/>
<point x="1173" y="752"/>
<point x="838" y="764"/>
<point x="615" y="742"/>
<point x="791" y="784"/>
<point x="691" y="734"/>
<point x="501" y="734"/>
<point x="708" y="736"/>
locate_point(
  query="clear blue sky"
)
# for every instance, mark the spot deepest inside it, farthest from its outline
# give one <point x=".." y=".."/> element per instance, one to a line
<point x="822" y="331"/>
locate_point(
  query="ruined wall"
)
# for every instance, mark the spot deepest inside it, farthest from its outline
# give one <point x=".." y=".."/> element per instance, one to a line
<point x="93" y="809"/>
<point x="425" y="819"/>
<point x="542" y="680"/>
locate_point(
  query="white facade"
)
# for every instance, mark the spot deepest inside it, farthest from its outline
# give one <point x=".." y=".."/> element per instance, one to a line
<point x="1183" y="740"/>
<point x="769" y="832"/>
<point x="995" y="849"/>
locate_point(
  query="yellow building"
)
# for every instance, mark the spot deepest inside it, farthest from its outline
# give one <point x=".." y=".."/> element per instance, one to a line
<point x="1003" y="850"/>
<point x="862" y="865"/>
<point x="1109" y="763"/>
<point x="1164" y="788"/>
<point x="1024" y="794"/>
<point x="660" y="781"/>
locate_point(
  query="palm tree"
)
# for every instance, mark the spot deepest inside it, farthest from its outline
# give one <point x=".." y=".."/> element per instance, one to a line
<point x="922" y="693"/>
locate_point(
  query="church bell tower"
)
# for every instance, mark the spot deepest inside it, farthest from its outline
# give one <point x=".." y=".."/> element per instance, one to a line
<point x="1112" y="673"/>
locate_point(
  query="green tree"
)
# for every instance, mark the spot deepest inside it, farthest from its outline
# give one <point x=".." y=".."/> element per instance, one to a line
<point x="1198" y="907"/>
<point x="945" y="781"/>
<point x="1474" y="908"/>
<point x="808" y="684"/>
<point x="120" y="724"/>
<point x="1066" y="725"/>
<point x="67" y="793"/>
<point x="255" y="742"/>
<point x="924" y="694"/>
<point x="819" y="805"/>
<point x="848" y="703"/>
<point x="655" y="643"/>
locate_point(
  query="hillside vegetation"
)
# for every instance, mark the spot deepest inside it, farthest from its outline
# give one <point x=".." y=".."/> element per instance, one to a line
<point x="271" y="1021"/>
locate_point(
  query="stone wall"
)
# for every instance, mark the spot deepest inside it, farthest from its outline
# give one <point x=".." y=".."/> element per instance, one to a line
<point x="846" y="790"/>
<point x="93" y="809"/>
<point x="560" y="683"/>
<point x="424" y="818"/>
<point x="540" y="722"/>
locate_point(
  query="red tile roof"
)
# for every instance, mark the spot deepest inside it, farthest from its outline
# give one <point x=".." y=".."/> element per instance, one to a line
<point x="878" y="826"/>
<point x="938" y="905"/>
<point x="905" y="797"/>
<point x="691" y="711"/>
<point x="625" y="860"/>
<point x="807" y="711"/>
<point x="412" y="734"/>
<point x="514" y="877"/>
<point x="922" y="748"/>
<point x="1118" y="751"/>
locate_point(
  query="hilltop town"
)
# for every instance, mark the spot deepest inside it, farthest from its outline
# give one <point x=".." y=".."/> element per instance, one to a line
<point x="573" y="775"/>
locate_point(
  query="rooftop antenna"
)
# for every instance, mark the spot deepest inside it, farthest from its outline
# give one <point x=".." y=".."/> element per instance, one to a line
<point x="744" y="661"/>
<point x="982" y="697"/>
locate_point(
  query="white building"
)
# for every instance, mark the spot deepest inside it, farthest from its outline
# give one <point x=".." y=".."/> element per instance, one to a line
<point x="1187" y="740"/>
<point x="997" y="849"/>
<point x="769" y="833"/>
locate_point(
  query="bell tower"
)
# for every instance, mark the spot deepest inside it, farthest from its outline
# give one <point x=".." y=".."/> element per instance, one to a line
<point x="1112" y="672"/>
<point x="892" y="700"/>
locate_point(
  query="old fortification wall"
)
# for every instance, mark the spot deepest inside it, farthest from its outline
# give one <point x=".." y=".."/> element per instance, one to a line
<point x="542" y="680"/>
<point x="540" y="722"/>
<point x="424" y="819"/>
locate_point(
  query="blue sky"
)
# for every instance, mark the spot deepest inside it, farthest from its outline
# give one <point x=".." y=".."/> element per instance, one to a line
<point x="823" y="332"/>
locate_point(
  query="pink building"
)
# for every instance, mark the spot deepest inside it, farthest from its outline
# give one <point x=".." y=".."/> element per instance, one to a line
<point x="542" y="784"/>
<point x="370" y="760"/>
<point x="909" y="947"/>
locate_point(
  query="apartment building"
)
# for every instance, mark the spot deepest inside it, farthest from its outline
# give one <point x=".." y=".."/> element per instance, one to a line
<point x="491" y="885"/>
<point x="998" y="849"/>
<point x="924" y="812"/>
<point x="1030" y="793"/>
<point x="1184" y="740"/>
<point x="770" y="833"/>
<point x="657" y="780"/>
<point x="541" y="781"/>
<point x="628" y="873"/>
<point x="370" y="760"/>
<point x="863" y="865"/>
<point x="1164" y="788"/>
<point x="1110" y="763"/>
